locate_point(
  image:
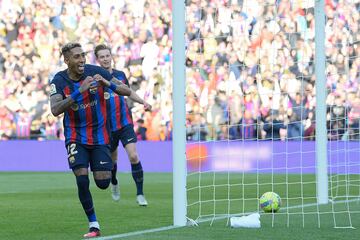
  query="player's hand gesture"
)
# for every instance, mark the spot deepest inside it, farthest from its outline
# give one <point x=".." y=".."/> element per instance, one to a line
<point x="88" y="83"/>
<point x="101" y="80"/>
<point x="147" y="106"/>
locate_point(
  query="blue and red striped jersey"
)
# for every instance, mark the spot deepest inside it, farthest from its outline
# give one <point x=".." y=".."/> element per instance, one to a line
<point x="118" y="110"/>
<point x="85" y="121"/>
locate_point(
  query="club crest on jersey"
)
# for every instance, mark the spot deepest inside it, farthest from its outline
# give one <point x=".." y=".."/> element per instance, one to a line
<point x="92" y="90"/>
<point x="93" y="87"/>
<point x="71" y="159"/>
<point x="106" y="95"/>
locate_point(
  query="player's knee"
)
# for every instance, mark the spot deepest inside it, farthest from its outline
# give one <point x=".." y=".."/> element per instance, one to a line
<point x="102" y="183"/>
<point x="133" y="157"/>
<point x="80" y="171"/>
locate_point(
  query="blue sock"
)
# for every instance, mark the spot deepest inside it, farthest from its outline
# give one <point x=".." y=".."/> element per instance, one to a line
<point x="85" y="197"/>
<point x="113" y="174"/>
<point x="138" y="176"/>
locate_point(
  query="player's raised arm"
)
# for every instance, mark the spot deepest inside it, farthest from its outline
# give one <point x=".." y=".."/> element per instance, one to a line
<point x="59" y="105"/>
<point x="133" y="96"/>
<point x="120" y="89"/>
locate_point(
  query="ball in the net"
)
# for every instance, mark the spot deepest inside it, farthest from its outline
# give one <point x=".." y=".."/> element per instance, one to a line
<point x="270" y="202"/>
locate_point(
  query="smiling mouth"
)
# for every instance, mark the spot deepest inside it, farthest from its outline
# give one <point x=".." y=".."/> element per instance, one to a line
<point x="81" y="67"/>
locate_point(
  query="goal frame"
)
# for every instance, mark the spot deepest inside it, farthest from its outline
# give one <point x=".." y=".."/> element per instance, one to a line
<point x="179" y="111"/>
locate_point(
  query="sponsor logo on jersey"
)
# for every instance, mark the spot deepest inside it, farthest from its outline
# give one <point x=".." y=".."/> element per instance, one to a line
<point x="76" y="107"/>
<point x="86" y="105"/>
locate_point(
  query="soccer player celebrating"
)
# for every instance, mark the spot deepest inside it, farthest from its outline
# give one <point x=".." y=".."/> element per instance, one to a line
<point x="122" y="126"/>
<point x="78" y="92"/>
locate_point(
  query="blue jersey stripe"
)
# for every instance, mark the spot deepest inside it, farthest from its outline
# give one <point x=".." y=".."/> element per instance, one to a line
<point x="114" y="123"/>
<point x="67" y="130"/>
<point x="82" y="115"/>
<point x="100" y="121"/>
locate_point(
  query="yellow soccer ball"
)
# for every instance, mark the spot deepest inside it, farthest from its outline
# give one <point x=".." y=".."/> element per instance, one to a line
<point x="270" y="202"/>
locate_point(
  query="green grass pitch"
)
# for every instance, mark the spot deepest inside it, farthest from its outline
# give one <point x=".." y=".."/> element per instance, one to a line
<point x="45" y="206"/>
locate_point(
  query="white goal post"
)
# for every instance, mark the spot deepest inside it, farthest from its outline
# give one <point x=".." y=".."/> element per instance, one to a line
<point x="179" y="130"/>
<point x="321" y="132"/>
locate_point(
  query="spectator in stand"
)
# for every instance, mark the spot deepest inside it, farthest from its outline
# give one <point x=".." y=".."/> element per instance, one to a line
<point x="140" y="130"/>
<point x="247" y="127"/>
<point x="272" y="126"/>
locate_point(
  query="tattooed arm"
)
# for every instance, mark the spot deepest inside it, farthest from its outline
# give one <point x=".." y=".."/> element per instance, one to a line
<point x="59" y="105"/>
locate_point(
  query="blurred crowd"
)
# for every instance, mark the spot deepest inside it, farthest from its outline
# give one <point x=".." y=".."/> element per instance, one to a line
<point x="250" y="65"/>
<point x="251" y="69"/>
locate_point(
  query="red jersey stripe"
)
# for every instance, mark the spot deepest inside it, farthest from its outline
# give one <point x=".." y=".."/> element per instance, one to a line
<point x="117" y="111"/>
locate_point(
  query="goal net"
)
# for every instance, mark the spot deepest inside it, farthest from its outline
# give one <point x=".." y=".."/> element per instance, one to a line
<point x="251" y="110"/>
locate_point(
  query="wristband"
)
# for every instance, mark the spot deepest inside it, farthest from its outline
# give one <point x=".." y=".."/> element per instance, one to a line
<point x="75" y="94"/>
<point x="112" y="86"/>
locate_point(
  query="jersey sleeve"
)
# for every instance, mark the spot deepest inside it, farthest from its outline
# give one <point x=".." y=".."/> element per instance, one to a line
<point x="56" y="86"/>
<point x="120" y="75"/>
<point x="104" y="73"/>
<point x="125" y="80"/>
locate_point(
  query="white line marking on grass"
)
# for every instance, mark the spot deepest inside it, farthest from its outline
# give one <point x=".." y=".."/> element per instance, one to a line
<point x="202" y="220"/>
<point x="124" y="235"/>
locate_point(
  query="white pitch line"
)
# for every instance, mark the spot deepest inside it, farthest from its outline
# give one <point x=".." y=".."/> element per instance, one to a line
<point x="124" y="235"/>
<point x="136" y="233"/>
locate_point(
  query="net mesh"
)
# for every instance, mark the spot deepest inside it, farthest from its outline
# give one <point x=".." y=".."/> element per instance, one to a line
<point x="251" y="110"/>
